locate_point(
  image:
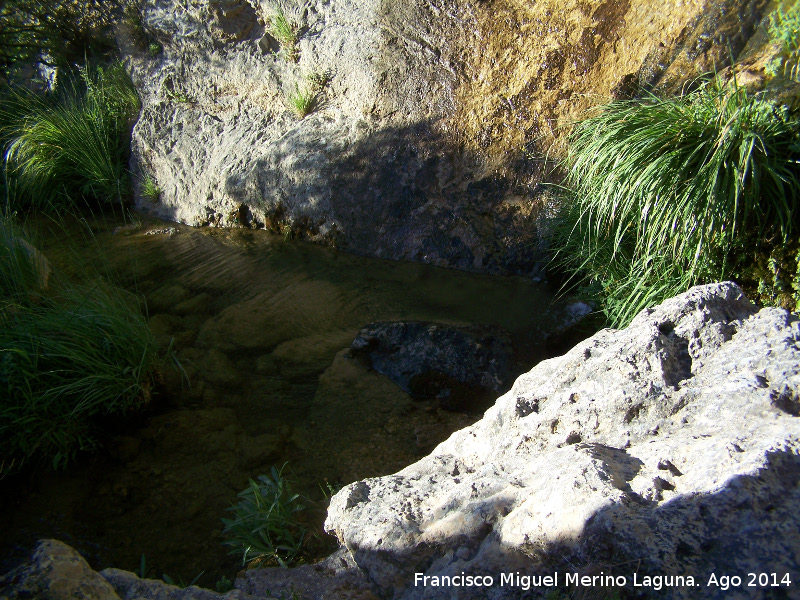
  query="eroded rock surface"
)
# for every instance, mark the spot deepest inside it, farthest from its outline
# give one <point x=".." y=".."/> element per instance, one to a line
<point x="430" y="139"/>
<point x="667" y="448"/>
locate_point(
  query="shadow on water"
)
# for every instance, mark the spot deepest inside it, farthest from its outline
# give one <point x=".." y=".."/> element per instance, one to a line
<point x="261" y="327"/>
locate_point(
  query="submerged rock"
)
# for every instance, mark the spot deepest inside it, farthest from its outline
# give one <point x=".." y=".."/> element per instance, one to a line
<point x="461" y="366"/>
<point x="670" y="448"/>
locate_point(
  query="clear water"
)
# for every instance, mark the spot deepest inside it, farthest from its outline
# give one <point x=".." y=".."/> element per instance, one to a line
<point x="261" y="326"/>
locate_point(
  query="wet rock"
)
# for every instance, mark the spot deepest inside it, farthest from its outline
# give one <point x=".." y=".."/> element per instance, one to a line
<point x="671" y="447"/>
<point x="461" y="366"/>
<point x="55" y="572"/>
<point x="167" y="297"/>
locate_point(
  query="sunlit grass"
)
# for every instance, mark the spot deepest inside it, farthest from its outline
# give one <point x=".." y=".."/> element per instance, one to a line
<point x="663" y="189"/>
<point x="302" y="101"/>
<point x="284" y="31"/>
<point x="72" y="144"/>
<point x="784" y="28"/>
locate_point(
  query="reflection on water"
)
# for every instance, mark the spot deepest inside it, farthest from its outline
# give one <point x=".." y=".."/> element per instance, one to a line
<point x="261" y="326"/>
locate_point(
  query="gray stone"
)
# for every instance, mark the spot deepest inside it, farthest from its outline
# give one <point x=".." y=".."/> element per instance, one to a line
<point x="667" y="448"/>
<point x="461" y="366"/>
<point x="130" y="587"/>
<point x="335" y="578"/>
<point x="55" y="572"/>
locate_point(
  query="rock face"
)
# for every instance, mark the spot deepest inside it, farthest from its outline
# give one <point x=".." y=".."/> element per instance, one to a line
<point x="461" y="366"/>
<point x="669" y="448"/>
<point x="429" y="137"/>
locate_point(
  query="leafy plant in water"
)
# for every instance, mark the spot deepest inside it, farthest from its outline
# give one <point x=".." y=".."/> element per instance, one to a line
<point x="663" y="188"/>
<point x="68" y="355"/>
<point x="784" y="28"/>
<point x="223" y="585"/>
<point x="180" y="583"/>
<point x="264" y="524"/>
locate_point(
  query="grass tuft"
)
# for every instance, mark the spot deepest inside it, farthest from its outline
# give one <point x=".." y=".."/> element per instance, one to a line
<point x="285" y="32"/>
<point x="150" y="189"/>
<point x="666" y="190"/>
<point x="68" y="355"/>
<point x="265" y="525"/>
<point x="73" y="144"/>
<point x="302" y="101"/>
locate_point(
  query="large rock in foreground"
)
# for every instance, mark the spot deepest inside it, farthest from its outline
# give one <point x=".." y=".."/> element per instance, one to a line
<point x="668" y="449"/>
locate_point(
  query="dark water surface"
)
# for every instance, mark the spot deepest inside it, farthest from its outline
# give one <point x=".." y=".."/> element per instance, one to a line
<point x="261" y="326"/>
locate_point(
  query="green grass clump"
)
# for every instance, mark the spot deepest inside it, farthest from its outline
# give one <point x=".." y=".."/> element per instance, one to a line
<point x="72" y="144"/>
<point x="265" y="525"/>
<point x="285" y="32"/>
<point x="302" y="101"/>
<point x="150" y="189"/>
<point x="68" y="355"/>
<point x="784" y="28"/>
<point x="668" y="193"/>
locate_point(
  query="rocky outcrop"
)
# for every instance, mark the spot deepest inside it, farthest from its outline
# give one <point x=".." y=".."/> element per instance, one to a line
<point x="55" y="572"/>
<point x="668" y="449"/>
<point x="58" y="572"/>
<point x="460" y="366"/>
<point x="432" y="122"/>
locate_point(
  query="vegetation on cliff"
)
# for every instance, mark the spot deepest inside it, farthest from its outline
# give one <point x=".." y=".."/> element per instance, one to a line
<point x="671" y="192"/>
<point x="69" y="144"/>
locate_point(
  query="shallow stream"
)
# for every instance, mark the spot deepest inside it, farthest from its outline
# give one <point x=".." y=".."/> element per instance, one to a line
<point x="261" y="327"/>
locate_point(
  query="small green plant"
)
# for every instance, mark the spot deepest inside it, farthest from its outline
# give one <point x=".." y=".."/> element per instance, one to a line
<point x="329" y="490"/>
<point x="286" y="231"/>
<point x="302" y="101"/>
<point x="150" y="189"/>
<point x="177" y="96"/>
<point x="665" y="189"/>
<point x="223" y="585"/>
<point x="155" y="48"/>
<point x="180" y="583"/>
<point x="264" y="524"/>
<point x="285" y="32"/>
<point x="317" y="80"/>
<point x="784" y="28"/>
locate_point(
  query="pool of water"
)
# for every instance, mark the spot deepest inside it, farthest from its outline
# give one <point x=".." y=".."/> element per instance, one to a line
<point x="261" y="326"/>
